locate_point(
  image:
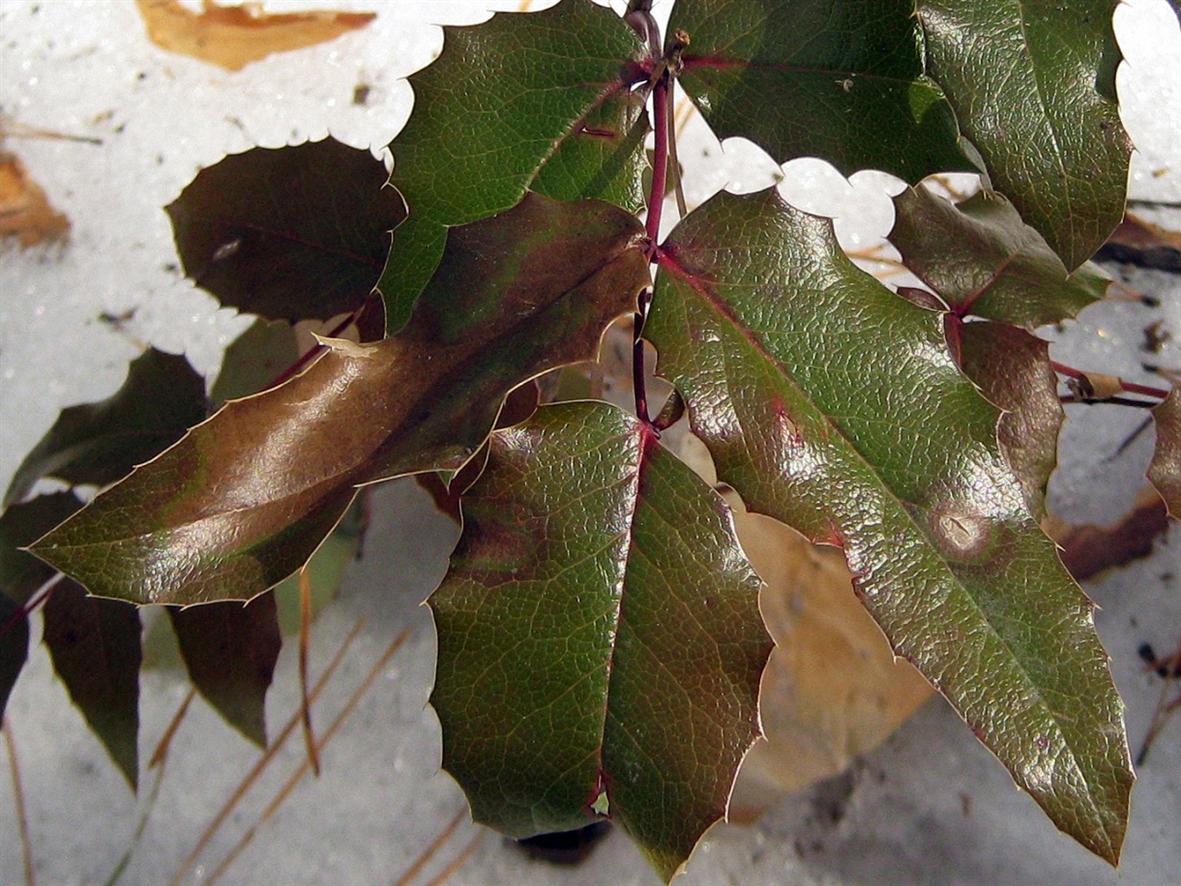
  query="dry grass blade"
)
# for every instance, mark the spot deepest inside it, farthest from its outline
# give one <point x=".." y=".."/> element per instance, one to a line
<point x="18" y="795"/>
<point x="158" y="762"/>
<point x="302" y="770"/>
<point x="1170" y="666"/>
<point x="459" y="861"/>
<point x="427" y="854"/>
<point x="269" y="754"/>
<point x="305" y="640"/>
<point x="160" y="755"/>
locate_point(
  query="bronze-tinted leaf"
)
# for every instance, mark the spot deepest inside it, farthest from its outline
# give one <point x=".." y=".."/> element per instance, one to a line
<point x="233" y="36"/>
<point x="983" y="260"/>
<point x="98" y="443"/>
<point x="1165" y="470"/>
<point x="294" y="233"/>
<point x="600" y="644"/>
<point x="95" y="647"/>
<point x="230" y="652"/>
<point x="1012" y="369"/>
<point x="835" y="406"/>
<point x="242" y="501"/>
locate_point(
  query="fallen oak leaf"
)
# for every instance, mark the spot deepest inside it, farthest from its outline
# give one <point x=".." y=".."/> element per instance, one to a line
<point x="234" y="36"/>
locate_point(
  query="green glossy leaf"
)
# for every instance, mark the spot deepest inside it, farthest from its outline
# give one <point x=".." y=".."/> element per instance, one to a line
<point x="983" y="260"/>
<point x="230" y="652"/>
<point x="835" y="406"/>
<point x="21" y="574"/>
<point x="293" y="233"/>
<point x="1165" y="470"/>
<point x="95" y="647"/>
<point x="243" y="500"/>
<point x="522" y="102"/>
<point x="842" y="81"/>
<point x="254" y="360"/>
<point x="99" y="443"/>
<point x="1032" y="83"/>
<point x="14" y="646"/>
<point x="1012" y="369"/>
<point x="599" y="632"/>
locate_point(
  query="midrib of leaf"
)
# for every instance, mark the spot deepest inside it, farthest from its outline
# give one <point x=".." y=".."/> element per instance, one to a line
<point x="965" y="305"/>
<point x="668" y="260"/>
<point x="291" y="238"/>
<point x="610" y="91"/>
<point x="1041" y="100"/>
<point x="601" y="772"/>
<point x="721" y="63"/>
<point x="197" y="521"/>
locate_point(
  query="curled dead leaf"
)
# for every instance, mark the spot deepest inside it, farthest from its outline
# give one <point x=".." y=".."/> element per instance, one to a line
<point x="25" y="212"/>
<point x="234" y="36"/>
<point x="833" y="689"/>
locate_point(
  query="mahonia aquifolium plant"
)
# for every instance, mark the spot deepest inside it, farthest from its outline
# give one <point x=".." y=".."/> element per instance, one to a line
<point x="600" y="645"/>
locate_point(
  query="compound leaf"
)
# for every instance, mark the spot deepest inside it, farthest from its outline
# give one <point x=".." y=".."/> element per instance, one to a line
<point x="982" y="259"/>
<point x="1033" y="88"/>
<point x="230" y="652"/>
<point x="841" y="81"/>
<point x="599" y="634"/>
<point x="1165" y="469"/>
<point x="536" y="102"/>
<point x="835" y="406"/>
<point x="95" y="647"/>
<point x="242" y="501"/>
<point x="294" y="233"/>
<point x="99" y="443"/>
<point x="1012" y="369"/>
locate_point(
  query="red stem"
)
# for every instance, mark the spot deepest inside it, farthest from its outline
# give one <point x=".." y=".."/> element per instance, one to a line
<point x="37" y="598"/>
<point x="311" y="352"/>
<point x="659" y="160"/>
<point x="652" y="228"/>
<point x="1130" y="387"/>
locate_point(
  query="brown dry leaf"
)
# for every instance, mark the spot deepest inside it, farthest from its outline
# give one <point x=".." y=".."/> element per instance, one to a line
<point x="235" y="36"/>
<point x="1140" y="242"/>
<point x="832" y="689"/>
<point x="1088" y="549"/>
<point x="25" y="212"/>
